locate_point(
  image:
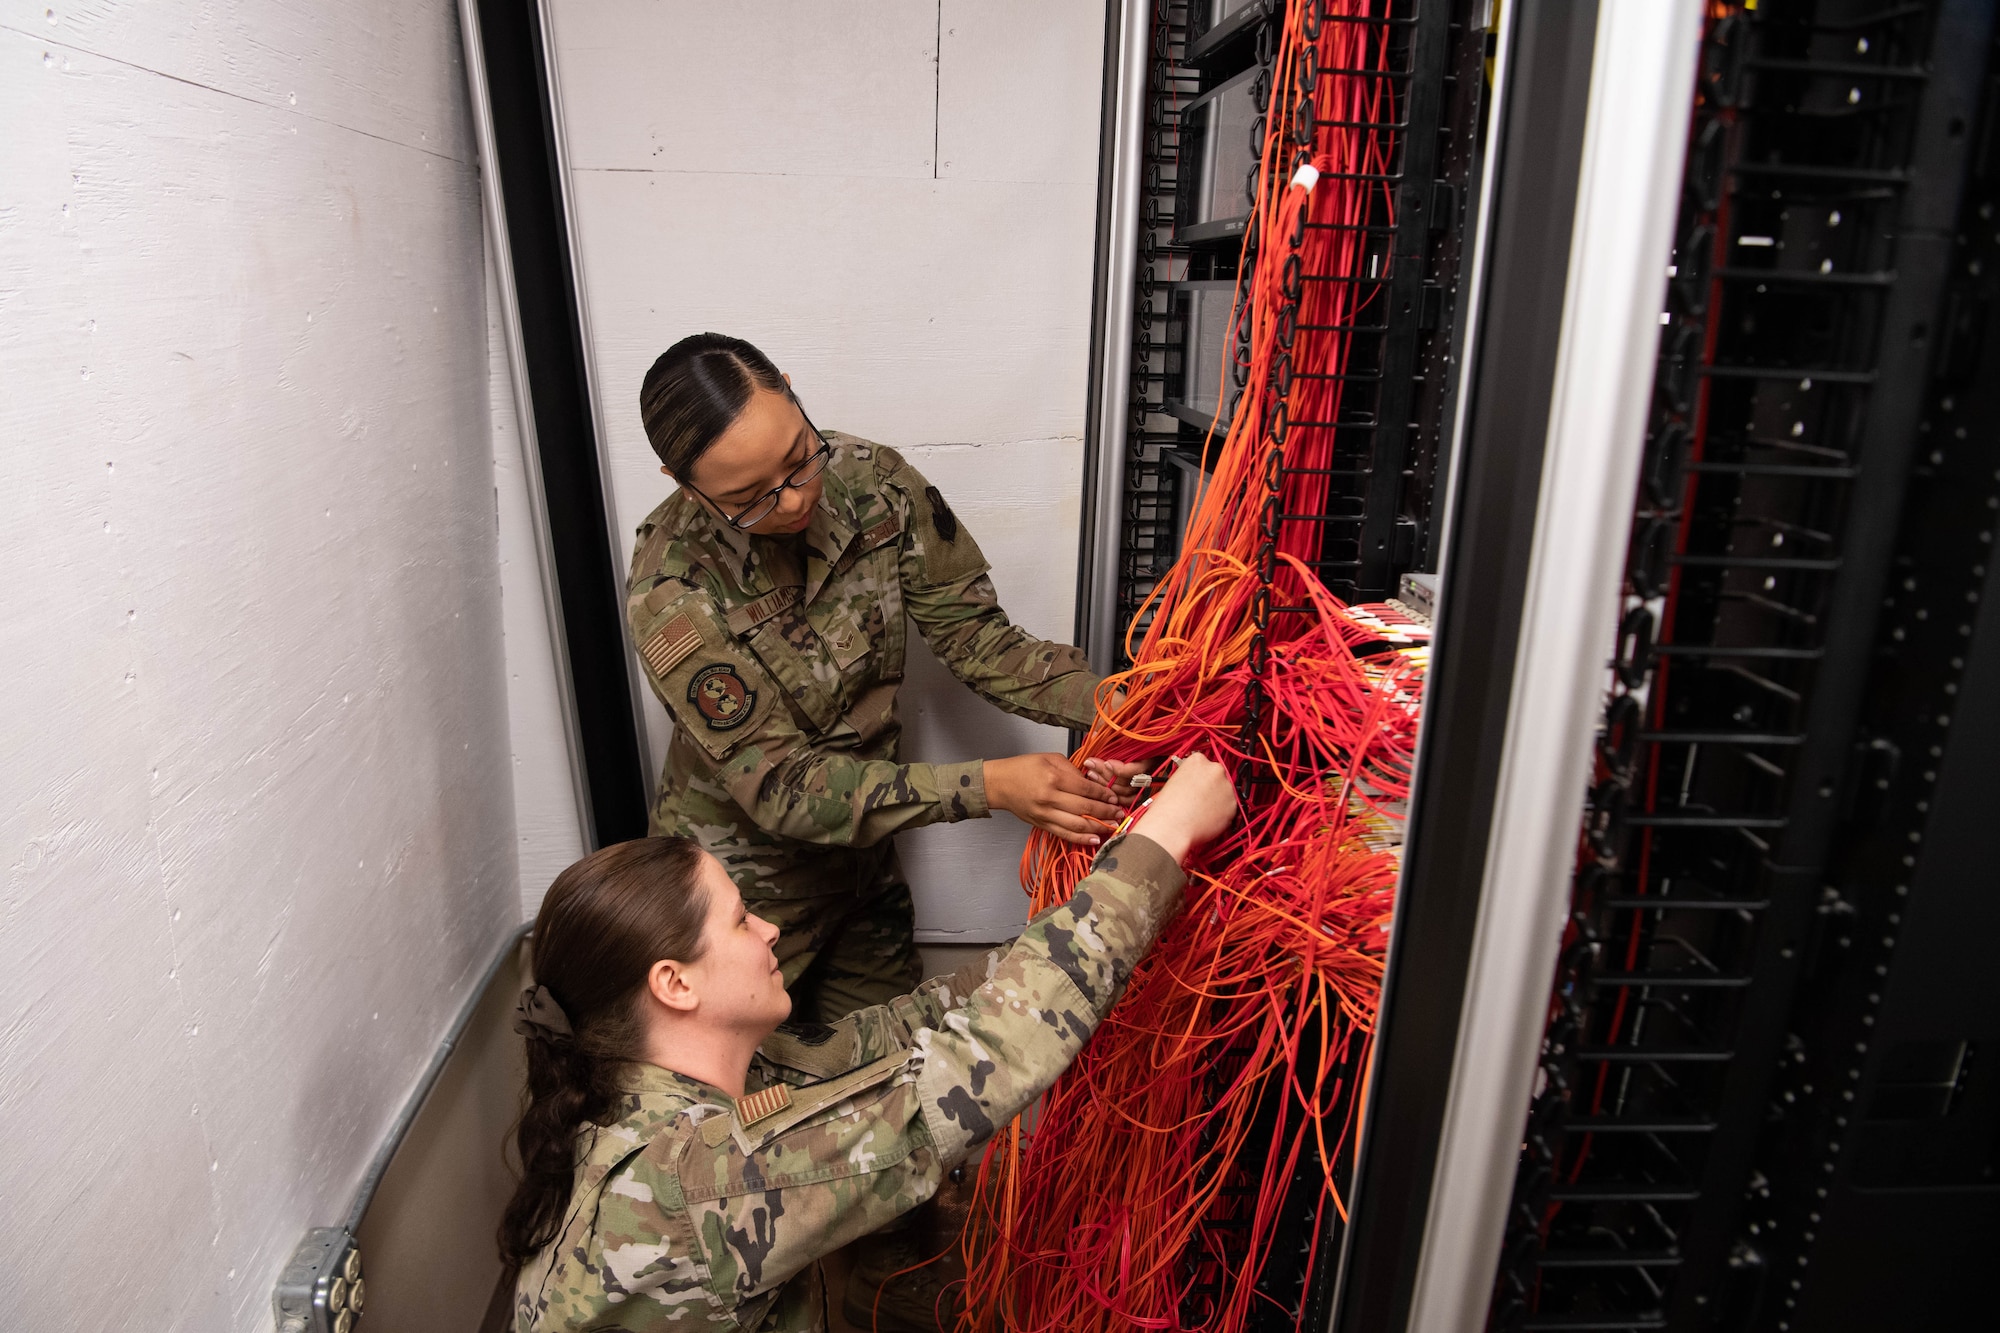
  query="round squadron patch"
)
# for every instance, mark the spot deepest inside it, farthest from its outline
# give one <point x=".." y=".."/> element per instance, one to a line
<point x="721" y="697"/>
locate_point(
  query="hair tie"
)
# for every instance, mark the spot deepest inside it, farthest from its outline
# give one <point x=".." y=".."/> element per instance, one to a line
<point x="536" y="1014"/>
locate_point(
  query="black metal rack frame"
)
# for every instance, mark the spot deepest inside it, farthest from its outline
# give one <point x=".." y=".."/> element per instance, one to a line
<point x="1806" y="281"/>
<point x="1880" y="1160"/>
<point x="1533" y="151"/>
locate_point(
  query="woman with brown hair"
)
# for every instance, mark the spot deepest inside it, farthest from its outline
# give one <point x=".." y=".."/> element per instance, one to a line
<point x="686" y="1160"/>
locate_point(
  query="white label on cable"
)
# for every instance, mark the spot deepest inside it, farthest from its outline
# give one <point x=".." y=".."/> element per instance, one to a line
<point x="1307" y="175"/>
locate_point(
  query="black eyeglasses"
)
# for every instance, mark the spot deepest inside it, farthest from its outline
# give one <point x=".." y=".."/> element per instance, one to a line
<point x="760" y="509"/>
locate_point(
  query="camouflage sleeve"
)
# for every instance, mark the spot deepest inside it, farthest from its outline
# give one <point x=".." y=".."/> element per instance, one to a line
<point x="1017" y="1031"/>
<point x="941" y="994"/>
<point x="734" y="715"/>
<point x="947" y="592"/>
<point x="806" y="1053"/>
<point x="718" y="1218"/>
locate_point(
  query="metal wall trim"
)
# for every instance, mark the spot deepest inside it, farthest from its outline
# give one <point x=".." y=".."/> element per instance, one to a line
<point x="1628" y="189"/>
<point x="509" y="75"/>
<point x="620" y="551"/>
<point x="1128" y="31"/>
<point x="524" y="416"/>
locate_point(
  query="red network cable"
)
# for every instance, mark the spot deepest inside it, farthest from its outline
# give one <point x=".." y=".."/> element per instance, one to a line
<point x="1233" y="1056"/>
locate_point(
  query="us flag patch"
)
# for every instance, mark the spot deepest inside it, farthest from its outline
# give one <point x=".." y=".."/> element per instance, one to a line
<point x="764" y="1102"/>
<point x="671" y="644"/>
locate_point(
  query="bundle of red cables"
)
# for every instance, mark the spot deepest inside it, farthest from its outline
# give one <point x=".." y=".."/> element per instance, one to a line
<point x="1232" y="1058"/>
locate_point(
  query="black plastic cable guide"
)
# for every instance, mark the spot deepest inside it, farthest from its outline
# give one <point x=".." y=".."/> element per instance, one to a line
<point x="1660" y="1048"/>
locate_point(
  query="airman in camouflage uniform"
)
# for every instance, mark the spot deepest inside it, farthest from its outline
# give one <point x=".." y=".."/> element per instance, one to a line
<point x="779" y="659"/>
<point x="696" y="1210"/>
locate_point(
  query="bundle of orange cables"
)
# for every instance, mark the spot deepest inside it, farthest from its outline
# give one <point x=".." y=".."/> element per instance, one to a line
<point x="1162" y="1165"/>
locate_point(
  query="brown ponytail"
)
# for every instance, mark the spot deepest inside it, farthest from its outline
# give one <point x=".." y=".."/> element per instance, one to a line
<point x="606" y="921"/>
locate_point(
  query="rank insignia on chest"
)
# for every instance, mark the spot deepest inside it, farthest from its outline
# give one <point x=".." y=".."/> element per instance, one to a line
<point x="764" y="1102"/>
<point x="721" y="697"/>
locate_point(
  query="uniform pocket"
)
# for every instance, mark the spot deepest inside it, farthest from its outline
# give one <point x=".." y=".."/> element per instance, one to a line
<point x="796" y="660"/>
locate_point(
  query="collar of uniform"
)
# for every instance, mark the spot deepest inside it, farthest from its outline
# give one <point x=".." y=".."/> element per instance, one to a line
<point x="700" y="540"/>
<point x="833" y="527"/>
<point x="827" y="537"/>
<point x="732" y="539"/>
<point x="651" y="1100"/>
<point x="640" y="1077"/>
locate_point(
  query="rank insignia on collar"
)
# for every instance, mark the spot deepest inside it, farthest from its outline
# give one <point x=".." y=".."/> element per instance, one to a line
<point x="942" y="518"/>
<point x="721" y="697"/>
<point x="764" y="1102"/>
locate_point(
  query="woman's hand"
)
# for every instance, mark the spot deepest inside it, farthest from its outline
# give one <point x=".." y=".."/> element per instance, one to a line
<point x="1195" y="806"/>
<point x="1116" y="775"/>
<point x="1046" y="790"/>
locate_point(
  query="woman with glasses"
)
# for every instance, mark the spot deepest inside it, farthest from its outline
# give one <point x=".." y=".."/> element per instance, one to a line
<point x="768" y="598"/>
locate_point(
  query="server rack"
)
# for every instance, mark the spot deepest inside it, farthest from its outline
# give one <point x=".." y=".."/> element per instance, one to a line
<point x="1207" y="82"/>
<point x="1752" y="1092"/>
<point x="1569" y="255"/>
<point x="1766" y="1096"/>
<point x="1204" y="134"/>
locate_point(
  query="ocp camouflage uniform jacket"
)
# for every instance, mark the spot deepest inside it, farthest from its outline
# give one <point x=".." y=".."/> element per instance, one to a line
<point x="779" y="659"/>
<point x="698" y="1211"/>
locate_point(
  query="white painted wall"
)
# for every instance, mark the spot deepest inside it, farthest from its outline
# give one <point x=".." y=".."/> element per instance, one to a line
<point x="895" y="199"/>
<point x="256" y="815"/>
